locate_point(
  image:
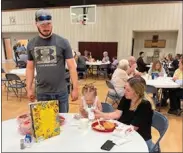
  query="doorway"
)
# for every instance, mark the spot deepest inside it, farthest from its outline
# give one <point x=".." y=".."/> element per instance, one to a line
<point x="7" y="48"/>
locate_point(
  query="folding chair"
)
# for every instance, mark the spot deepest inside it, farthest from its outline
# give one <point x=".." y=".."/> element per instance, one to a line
<point x="116" y="98"/>
<point x="3" y="80"/>
<point x="102" y="70"/>
<point x="68" y="83"/>
<point x="15" y="83"/>
<point x="154" y="91"/>
<point x="160" y="123"/>
<point x="107" y="108"/>
<point x="21" y="64"/>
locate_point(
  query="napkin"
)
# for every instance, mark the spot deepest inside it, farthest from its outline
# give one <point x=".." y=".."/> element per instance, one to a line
<point x="121" y="141"/>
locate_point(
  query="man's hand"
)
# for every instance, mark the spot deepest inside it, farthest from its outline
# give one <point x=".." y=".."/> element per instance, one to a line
<point x="31" y="95"/>
<point x="134" y="66"/>
<point x="74" y="94"/>
<point x="138" y="73"/>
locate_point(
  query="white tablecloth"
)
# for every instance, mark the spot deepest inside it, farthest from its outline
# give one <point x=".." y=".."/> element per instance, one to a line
<point x="20" y="72"/>
<point x="96" y="63"/>
<point x="162" y="82"/>
<point x="150" y="65"/>
<point x="71" y="139"/>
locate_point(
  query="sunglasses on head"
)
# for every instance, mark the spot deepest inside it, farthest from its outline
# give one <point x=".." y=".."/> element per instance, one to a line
<point x="43" y="18"/>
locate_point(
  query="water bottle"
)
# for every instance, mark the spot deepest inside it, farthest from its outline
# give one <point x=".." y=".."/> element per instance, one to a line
<point x="91" y="115"/>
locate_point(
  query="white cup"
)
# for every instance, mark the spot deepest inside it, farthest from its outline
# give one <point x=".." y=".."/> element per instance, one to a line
<point x="83" y="123"/>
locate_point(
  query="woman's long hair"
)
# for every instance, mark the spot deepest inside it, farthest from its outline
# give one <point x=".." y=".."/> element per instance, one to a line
<point x="154" y="66"/>
<point x="138" y="84"/>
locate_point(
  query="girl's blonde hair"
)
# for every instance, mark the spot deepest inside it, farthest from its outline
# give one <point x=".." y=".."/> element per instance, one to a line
<point x="89" y="88"/>
<point x="138" y="84"/>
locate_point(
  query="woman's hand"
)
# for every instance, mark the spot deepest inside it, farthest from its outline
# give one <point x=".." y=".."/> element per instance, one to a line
<point x="175" y="78"/>
<point x="98" y="114"/>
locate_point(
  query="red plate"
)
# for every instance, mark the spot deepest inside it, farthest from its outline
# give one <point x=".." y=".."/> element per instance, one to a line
<point x="100" y="130"/>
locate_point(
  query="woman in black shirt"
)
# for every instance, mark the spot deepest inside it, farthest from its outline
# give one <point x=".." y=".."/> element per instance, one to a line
<point x="134" y="109"/>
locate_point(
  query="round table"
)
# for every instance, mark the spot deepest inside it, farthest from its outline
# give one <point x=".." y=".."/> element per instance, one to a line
<point x="162" y="82"/>
<point x="71" y="139"/>
<point x="20" y="72"/>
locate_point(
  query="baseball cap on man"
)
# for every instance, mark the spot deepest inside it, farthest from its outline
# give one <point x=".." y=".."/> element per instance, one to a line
<point x="43" y="16"/>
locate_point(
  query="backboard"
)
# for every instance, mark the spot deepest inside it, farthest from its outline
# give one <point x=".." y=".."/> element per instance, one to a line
<point x="83" y="14"/>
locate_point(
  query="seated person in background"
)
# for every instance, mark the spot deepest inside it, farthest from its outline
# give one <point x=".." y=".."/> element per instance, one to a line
<point x="105" y="57"/>
<point x="114" y="63"/>
<point x="175" y="63"/>
<point x="178" y="75"/>
<point x="113" y="66"/>
<point x="177" y="94"/>
<point x="135" y="109"/>
<point x="19" y="48"/>
<point x="132" y="71"/>
<point x="81" y="64"/>
<point x="89" y="99"/>
<point x="140" y="63"/>
<point x="86" y="55"/>
<point x="157" y="68"/>
<point x="170" y="58"/>
<point x="23" y="47"/>
<point x="23" y="57"/>
<point x="120" y="77"/>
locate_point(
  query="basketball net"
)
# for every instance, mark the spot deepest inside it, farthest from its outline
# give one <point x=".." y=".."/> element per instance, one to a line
<point x="83" y="22"/>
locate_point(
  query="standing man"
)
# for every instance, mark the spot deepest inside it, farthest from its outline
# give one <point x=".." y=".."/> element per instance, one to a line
<point x="51" y="84"/>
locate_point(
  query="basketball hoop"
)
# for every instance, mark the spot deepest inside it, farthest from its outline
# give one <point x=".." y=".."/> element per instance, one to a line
<point x="83" y="14"/>
<point x="83" y="22"/>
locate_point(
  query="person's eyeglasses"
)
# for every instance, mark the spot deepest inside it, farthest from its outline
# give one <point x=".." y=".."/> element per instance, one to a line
<point x="43" y="18"/>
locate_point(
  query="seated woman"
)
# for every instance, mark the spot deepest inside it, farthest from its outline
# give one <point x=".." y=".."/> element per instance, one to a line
<point x="105" y="57"/>
<point x="120" y="77"/>
<point x="113" y="66"/>
<point x="134" y="109"/>
<point x="177" y="94"/>
<point x="157" y="68"/>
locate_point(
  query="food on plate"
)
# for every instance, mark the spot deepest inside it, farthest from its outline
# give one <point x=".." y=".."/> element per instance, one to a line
<point x="108" y="125"/>
<point x="99" y="127"/>
<point x="105" y="125"/>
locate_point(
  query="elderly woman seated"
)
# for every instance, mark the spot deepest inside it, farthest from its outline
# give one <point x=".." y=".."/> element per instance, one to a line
<point x="120" y="77"/>
<point x="105" y="57"/>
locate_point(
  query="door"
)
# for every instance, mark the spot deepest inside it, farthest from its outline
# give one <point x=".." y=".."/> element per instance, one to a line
<point x="8" y="48"/>
<point x="132" y="51"/>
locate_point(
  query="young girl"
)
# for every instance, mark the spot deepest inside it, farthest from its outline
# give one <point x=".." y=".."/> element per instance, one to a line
<point x="89" y="101"/>
<point x="157" y="68"/>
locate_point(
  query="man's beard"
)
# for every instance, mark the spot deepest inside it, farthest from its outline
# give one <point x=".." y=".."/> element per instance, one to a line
<point x="47" y="35"/>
